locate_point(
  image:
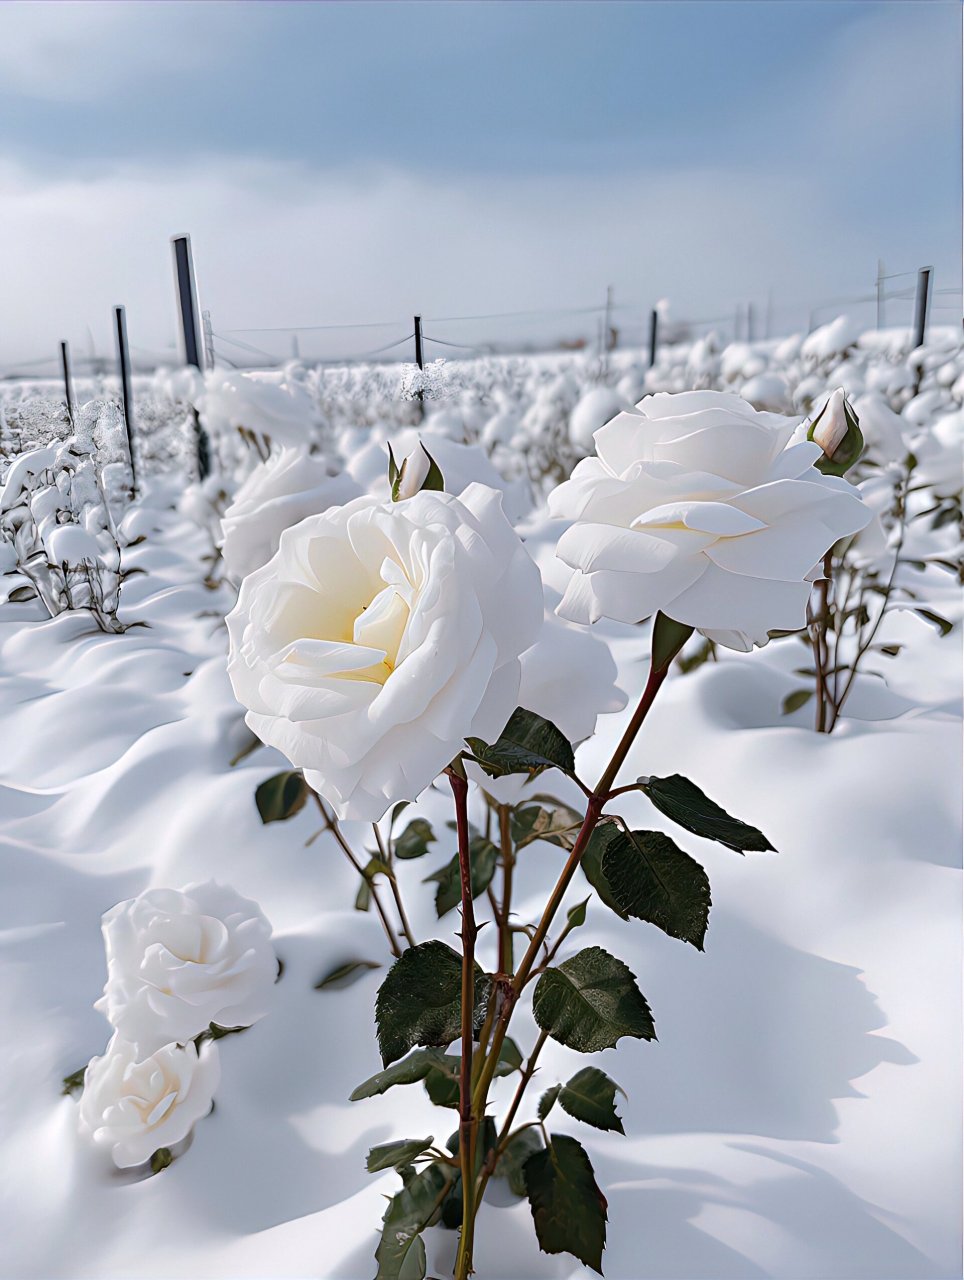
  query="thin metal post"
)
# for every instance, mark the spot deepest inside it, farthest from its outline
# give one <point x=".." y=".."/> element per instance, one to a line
<point x="418" y="349"/>
<point x="653" y="335"/>
<point x="749" y="321"/>
<point x="920" y="305"/>
<point x="124" y="368"/>
<point x="68" y="382"/>
<point x="190" y="335"/>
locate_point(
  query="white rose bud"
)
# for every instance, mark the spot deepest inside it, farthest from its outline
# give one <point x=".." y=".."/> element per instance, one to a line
<point x="837" y="432"/>
<point x="413" y="473"/>
<point x="176" y="962"/>
<point x="379" y="636"/>
<point x="133" y="1106"/>
<point x="694" y="506"/>
<point x="831" y="426"/>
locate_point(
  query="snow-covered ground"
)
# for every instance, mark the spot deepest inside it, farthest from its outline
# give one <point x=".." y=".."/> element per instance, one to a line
<point x="799" y="1116"/>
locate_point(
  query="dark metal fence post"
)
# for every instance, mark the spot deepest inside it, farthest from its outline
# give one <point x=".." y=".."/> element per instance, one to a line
<point x="920" y="318"/>
<point x="190" y="334"/>
<point x="653" y="335"/>
<point x="68" y="382"/>
<point x="920" y="305"/>
<point x="124" y="368"/>
<point x="418" y="349"/>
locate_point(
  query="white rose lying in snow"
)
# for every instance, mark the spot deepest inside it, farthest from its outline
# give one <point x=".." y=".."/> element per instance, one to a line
<point x="290" y="485"/>
<point x="135" y="1105"/>
<point x="176" y="962"/>
<point x="694" y="506"/>
<point x="379" y="636"/>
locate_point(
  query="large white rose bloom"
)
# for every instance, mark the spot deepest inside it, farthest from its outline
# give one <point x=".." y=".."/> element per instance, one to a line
<point x="279" y="492"/>
<point x="379" y="636"/>
<point x="693" y="505"/>
<point x="134" y="1104"/>
<point x="178" y="961"/>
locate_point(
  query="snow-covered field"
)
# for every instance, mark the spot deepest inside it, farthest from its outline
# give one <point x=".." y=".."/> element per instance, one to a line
<point x="799" y="1116"/>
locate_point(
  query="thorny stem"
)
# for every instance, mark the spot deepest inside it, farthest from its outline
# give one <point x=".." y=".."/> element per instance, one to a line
<point x="463" y="1263"/>
<point x="504" y="1133"/>
<point x="331" y="823"/>
<point x="388" y="859"/>
<point x="864" y="645"/>
<point x="508" y="865"/>
<point x="818" y="638"/>
<point x="593" y="812"/>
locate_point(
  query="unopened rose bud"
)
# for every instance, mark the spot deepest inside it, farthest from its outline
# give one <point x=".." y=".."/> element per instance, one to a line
<point x="413" y="473"/>
<point x="418" y="471"/>
<point x="837" y="431"/>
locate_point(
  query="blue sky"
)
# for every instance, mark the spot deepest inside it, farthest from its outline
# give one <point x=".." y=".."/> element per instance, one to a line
<point x="350" y="162"/>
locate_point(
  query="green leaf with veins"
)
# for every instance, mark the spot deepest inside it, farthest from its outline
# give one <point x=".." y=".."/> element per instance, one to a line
<point x="591" y="1001"/>
<point x="419" y="1003"/>
<point x="527" y="744"/>
<point x="568" y="1208"/>
<point x="590" y="1096"/>
<point x="652" y="879"/>
<point x="683" y="802"/>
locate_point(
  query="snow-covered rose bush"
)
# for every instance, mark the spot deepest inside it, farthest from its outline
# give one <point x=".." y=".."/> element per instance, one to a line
<point x="379" y="636"/>
<point x="289" y="486"/>
<point x="179" y="961"/>
<point x="134" y="1103"/>
<point x="694" y="506"/>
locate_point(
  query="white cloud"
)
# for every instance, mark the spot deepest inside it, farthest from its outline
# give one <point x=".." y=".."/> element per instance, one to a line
<point x="84" y="50"/>
<point x="277" y="244"/>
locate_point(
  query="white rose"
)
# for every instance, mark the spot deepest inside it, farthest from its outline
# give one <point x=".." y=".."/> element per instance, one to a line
<point x="379" y="636"/>
<point x="178" y="961"/>
<point x="694" y="506"/>
<point x="134" y="1105"/>
<point x="279" y="492"/>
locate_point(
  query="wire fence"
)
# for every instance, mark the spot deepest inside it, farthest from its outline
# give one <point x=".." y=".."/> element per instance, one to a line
<point x="600" y="326"/>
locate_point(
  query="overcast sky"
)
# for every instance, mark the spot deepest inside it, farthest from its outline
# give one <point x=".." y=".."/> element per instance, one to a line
<point x="347" y="163"/>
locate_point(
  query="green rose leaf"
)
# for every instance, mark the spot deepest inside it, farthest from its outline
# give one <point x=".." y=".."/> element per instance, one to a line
<point x="568" y="1208"/>
<point x="590" y="1096"/>
<point x="395" y="1155"/>
<point x="483" y="856"/>
<point x="592" y="864"/>
<point x="559" y="825"/>
<point x="409" y="1071"/>
<point x="794" y="701"/>
<point x="414" y="840"/>
<point x="685" y="803"/>
<point x="517" y="1151"/>
<point x="548" y="1101"/>
<point x="590" y="1001"/>
<point x="281" y="796"/>
<point x="343" y="975"/>
<point x="527" y="744"/>
<point x="419" y="1003"/>
<point x="653" y="880"/>
<point x="401" y="1251"/>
